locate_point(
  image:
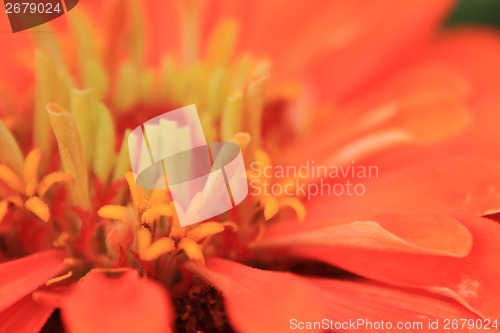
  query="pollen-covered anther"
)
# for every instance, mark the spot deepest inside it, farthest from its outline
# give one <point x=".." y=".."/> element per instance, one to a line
<point x="149" y="250"/>
<point x="38" y="207"/>
<point x="155" y="212"/>
<point x="271" y="207"/>
<point x="112" y="212"/>
<point x="205" y="230"/>
<point x="192" y="250"/>
<point x="160" y="247"/>
<point x="50" y="180"/>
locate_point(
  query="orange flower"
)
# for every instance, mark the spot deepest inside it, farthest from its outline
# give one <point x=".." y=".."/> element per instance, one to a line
<point x="341" y="84"/>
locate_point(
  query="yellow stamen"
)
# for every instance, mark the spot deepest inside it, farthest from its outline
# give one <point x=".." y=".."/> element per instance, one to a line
<point x="178" y="232"/>
<point x="271" y="207"/>
<point x="155" y="212"/>
<point x="242" y="139"/>
<point x="51" y="179"/>
<point x="112" y="212"/>
<point x="158" y="196"/>
<point x="30" y="190"/>
<point x="204" y="230"/>
<point x="59" y="278"/>
<point x="38" y="207"/>
<point x="161" y="246"/>
<point x="143" y="241"/>
<point x="139" y="196"/>
<point x="31" y="163"/>
<point x="296" y="205"/>
<point x="262" y="158"/>
<point x="192" y="250"/>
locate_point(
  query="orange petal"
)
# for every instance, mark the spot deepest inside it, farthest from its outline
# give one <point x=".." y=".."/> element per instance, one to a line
<point x="420" y="233"/>
<point x="333" y="34"/>
<point x="132" y="304"/>
<point x="261" y="301"/>
<point x="463" y="186"/>
<point x="21" y="276"/>
<point x="423" y="105"/>
<point x="364" y="303"/>
<point x="24" y="316"/>
<point x="472" y="280"/>
<point x="474" y="54"/>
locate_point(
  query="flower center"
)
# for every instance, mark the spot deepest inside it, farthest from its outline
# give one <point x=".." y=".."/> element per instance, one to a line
<point x="95" y="219"/>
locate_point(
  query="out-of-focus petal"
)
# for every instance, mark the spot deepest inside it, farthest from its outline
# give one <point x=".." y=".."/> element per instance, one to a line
<point x="424" y="104"/>
<point x="473" y="53"/>
<point x="261" y="301"/>
<point x="423" y="233"/>
<point x="24" y="316"/>
<point x="334" y="34"/>
<point x="363" y="303"/>
<point x="15" y="64"/>
<point x="462" y="185"/>
<point x="20" y="277"/>
<point x="472" y="280"/>
<point x="124" y="304"/>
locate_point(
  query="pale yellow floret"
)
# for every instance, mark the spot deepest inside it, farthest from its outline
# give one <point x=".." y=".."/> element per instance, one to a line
<point x="9" y="149"/>
<point x="231" y="115"/>
<point x="70" y="149"/>
<point x="254" y="102"/>
<point x="82" y="110"/>
<point x="221" y="43"/>
<point x="104" y="150"/>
